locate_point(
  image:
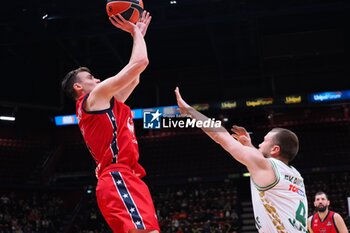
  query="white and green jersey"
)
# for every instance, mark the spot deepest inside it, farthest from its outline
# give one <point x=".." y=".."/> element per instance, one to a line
<point x="281" y="207"/>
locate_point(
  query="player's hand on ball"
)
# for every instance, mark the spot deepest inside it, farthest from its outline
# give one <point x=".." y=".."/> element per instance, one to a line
<point x="121" y="23"/>
<point x="144" y="22"/>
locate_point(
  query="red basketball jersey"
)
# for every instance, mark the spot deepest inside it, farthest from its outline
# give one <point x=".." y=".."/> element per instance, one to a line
<point x="325" y="226"/>
<point x="109" y="135"/>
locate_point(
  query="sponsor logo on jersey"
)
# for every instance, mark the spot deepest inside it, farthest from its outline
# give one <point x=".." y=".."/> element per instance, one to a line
<point x="130" y="125"/>
<point x="297" y="190"/>
<point x="294" y="180"/>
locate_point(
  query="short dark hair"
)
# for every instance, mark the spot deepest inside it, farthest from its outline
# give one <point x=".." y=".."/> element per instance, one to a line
<point x="288" y="142"/>
<point x="70" y="79"/>
<point x="321" y="193"/>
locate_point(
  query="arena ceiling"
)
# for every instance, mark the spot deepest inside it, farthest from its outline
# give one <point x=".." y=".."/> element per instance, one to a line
<point x="213" y="49"/>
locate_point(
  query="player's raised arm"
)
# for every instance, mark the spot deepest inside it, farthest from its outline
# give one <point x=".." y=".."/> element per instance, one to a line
<point x="249" y="156"/>
<point x="124" y="93"/>
<point x="123" y="83"/>
<point x="241" y="135"/>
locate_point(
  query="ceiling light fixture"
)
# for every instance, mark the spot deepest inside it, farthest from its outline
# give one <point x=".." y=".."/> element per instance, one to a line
<point x="7" y="118"/>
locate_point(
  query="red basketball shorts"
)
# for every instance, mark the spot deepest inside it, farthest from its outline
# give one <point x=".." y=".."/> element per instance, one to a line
<point x="125" y="202"/>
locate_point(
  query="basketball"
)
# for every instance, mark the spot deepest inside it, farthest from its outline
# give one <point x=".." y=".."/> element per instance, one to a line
<point x="130" y="9"/>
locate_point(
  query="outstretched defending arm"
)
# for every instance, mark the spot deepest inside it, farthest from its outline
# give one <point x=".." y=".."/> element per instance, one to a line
<point x="248" y="155"/>
<point x="241" y="135"/>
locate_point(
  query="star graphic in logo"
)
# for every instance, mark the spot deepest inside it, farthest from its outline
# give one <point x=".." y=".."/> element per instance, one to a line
<point x="119" y="182"/>
<point x="132" y="210"/>
<point x="156" y="115"/>
<point x="125" y="195"/>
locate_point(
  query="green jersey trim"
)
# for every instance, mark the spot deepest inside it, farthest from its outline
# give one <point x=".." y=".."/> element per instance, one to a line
<point x="273" y="184"/>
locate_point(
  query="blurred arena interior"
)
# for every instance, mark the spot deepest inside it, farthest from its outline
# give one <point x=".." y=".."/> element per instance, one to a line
<point x="215" y="51"/>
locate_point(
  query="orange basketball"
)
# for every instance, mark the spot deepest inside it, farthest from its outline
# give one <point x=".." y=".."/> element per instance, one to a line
<point x="130" y="9"/>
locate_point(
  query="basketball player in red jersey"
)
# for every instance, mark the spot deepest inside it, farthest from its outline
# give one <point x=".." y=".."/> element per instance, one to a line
<point x="108" y="130"/>
<point x="324" y="220"/>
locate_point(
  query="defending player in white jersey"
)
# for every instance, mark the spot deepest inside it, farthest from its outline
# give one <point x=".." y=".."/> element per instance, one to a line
<point x="278" y="192"/>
